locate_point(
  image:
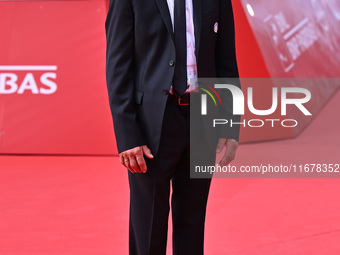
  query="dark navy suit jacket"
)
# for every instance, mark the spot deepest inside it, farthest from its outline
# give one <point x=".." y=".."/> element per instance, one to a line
<point x="141" y="58"/>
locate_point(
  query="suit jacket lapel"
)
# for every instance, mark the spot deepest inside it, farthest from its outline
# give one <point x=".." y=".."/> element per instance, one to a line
<point x="197" y="23"/>
<point x="164" y="10"/>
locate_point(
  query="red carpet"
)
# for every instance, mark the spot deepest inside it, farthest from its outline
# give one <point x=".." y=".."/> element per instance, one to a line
<point x="79" y="205"/>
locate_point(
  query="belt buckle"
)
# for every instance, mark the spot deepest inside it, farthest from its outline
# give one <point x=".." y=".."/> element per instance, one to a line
<point x="180" y="102"/>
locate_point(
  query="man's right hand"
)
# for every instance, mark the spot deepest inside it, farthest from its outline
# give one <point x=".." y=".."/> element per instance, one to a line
<point x="133" y="159"/>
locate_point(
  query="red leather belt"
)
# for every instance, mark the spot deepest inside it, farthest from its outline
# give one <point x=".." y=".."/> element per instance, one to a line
<point x="180" y="100"/>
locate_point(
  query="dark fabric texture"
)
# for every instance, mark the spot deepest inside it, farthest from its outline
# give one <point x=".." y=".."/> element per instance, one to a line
<point x="149" y="193"/>
<point x="180" y="75"/>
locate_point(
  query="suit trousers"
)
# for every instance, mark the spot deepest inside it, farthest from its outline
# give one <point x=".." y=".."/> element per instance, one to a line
<point x="150" y="193"/>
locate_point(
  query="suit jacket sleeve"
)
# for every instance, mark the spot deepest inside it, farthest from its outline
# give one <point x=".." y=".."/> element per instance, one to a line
<point x="226" y="67"/>
<point x="119" y="74"/>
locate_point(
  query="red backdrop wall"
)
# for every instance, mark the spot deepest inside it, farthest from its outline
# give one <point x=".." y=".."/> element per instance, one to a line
<point x="53" y="96"/>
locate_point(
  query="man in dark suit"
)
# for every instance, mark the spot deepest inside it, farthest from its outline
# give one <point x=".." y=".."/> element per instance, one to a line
<point x="153" y="48"/>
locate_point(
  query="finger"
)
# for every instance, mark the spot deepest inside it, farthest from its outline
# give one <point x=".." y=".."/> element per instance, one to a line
<point x="220" y="145"/>
<point x="225" y="160"/>
<point x="147" y="152"/>
<point x="232" y="145"/>
<point x="230" y="152"/>
<point x="121" y="157"/>
<point x="141" y="163"/>
<point x="127" y="164"/>
<point x="133" y="164"/>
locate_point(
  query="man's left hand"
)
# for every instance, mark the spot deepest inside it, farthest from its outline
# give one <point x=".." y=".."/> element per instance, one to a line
<point x="230" y="151"/>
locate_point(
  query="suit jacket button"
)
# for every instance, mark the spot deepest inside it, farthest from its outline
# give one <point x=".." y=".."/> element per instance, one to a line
<point x="165" y="91"/>
<point x="171" y="63"/>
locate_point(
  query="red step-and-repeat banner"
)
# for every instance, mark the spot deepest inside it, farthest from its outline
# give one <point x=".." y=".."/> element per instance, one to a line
<point x="53" y="97"/>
